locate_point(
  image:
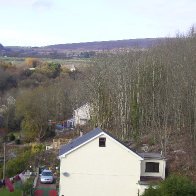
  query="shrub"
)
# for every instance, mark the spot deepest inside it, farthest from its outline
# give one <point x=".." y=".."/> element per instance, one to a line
<point x="178" y="186"/>
<point x="35" y="148"/>
<point x="18" y="164"/>
<point x="173" y="186"/>
<point x="27" y="186"/>
<point x="17" y="141"/>
<point x="12" y="137"/>
<point x="151" y="192"/>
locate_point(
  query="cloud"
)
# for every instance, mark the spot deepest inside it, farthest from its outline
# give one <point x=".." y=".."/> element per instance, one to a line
<point x="42" y="5"/>
<point x="38" y="5"/>
<point x="17" y="37"/>
<point x="16" y="2"/>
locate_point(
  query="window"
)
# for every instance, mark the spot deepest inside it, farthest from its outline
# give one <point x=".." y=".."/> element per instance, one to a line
<point x="102" y="142"/>
<point x="152" y="167"/>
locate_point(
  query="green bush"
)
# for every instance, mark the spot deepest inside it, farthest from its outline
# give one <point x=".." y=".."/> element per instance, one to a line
<point x="18" y="164"/>
<point x="173" y="186"/>
<point x="27" y="186"/>
<point x="151" y="192"/>
<point x="12" y="137"/>
<point x="36" y="148"/>
<point x="17" y="141"/>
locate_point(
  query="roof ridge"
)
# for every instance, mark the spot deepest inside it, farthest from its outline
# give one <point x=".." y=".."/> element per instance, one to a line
<point x="80" y="140"/>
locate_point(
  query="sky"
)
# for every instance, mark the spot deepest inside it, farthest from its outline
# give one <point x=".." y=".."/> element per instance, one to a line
<point x="48" y="22"/>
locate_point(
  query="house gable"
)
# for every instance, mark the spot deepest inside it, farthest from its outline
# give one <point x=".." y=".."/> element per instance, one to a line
<point x="98" y="164"/>
<point x="88" y="137"/>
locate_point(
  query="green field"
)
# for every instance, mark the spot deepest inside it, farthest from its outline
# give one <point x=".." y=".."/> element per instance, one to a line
<point x="5" y="192"/>
<point x="20" y="61"/>
<point x="17" y="192"/>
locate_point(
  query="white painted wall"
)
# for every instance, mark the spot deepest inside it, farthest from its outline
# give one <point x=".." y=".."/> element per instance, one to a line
<point x="162" y="166"/>
<point x="100" y="171"/>
<point x="82" y="115"/>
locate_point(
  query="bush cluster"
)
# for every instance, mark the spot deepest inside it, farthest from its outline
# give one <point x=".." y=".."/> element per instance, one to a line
<point x="173" y="186"/>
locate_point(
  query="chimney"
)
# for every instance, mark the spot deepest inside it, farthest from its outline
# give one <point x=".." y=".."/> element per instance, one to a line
<point x="81" y="133"/>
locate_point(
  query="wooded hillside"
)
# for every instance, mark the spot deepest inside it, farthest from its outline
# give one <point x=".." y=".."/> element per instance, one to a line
<point x="150" y="94"/>
<point x="142" y="96"/>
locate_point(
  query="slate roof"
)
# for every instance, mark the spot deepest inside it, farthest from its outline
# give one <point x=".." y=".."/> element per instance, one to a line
<point x="151" y="155"/>
<point x="80" y="140"/>
<point x="86" y="137"/>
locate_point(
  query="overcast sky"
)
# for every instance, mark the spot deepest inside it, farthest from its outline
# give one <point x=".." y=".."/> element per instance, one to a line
<point x="46" y="22"/>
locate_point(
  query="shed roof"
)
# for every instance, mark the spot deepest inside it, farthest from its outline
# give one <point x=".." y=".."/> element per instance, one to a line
<point x="151" y="155"/>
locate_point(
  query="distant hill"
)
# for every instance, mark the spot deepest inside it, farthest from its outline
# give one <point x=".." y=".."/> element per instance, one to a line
<point x="77" y="50"/>
<point x="109" y="45"/>
<point x="2" y="50"/>
<point x="1" y="47"/>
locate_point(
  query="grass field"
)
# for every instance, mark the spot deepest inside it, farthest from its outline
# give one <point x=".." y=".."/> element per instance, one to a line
<point x="19" y="61"/>
<point x="17" y="191"/>
<point x="5" y="192"/>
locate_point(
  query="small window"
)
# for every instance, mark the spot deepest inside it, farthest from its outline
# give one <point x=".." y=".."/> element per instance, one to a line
<point x="102" y="142"/>
<point x="152" y="167"/>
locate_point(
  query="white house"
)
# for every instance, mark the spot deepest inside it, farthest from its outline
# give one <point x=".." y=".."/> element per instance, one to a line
<point x="70" y="123"/>
<point x="11" y="100"/>
<point x="97" y="164"/>
<point x="81" y="115"/>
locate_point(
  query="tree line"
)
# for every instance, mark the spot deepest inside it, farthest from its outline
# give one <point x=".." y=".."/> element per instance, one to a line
<point x="42" y="91"/>
<point x="146" y="92"/>
<point x="132" y="92"/>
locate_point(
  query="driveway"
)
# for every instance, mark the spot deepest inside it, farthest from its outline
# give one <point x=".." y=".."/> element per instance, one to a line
<point x="49" y="186"/>
<point x="45" y="189"/>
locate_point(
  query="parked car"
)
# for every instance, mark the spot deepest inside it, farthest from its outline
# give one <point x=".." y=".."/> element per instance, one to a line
<point x="46" y="176"/>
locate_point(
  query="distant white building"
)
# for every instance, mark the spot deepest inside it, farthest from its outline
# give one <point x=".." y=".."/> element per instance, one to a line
<point x="32" y="68"/>
<point x="70" y="123"/>
<point x="11" y="100"/>
<point x="3" y="108"/>
<point x="72" y="69"/>
<point x="82" y="115"/>
<point x="97" y="164"/>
